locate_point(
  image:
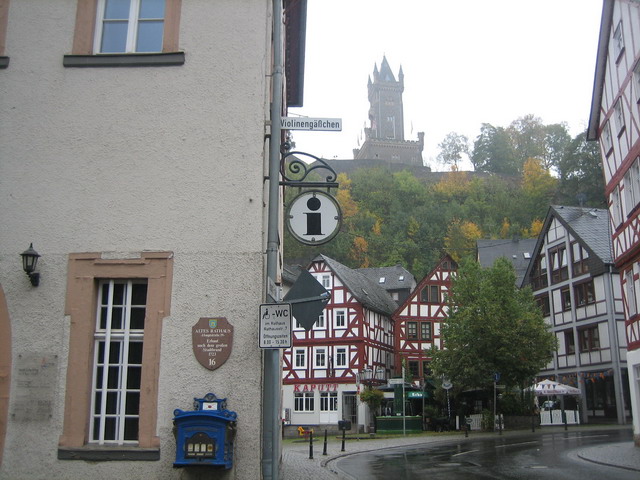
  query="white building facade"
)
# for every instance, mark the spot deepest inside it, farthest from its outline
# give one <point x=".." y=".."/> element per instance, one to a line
<point x="614" y="121"/>
<point x="578" y="289"/>
<point x="349" y="347"/>
<point x="134" y="153"/>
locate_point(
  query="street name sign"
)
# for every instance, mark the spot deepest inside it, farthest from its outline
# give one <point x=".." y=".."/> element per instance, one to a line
<point x="311" y="124"/>
<point x="275" y="325"/>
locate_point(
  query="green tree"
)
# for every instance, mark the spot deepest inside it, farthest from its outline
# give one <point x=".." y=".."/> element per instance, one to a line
<point x="581" y="175"/>
<point x="493" y="151"/>
<point x="493" y="326"/>
<point x="453" y="149"/>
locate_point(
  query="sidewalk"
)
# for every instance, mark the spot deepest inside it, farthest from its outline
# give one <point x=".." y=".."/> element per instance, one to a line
<point x="296" y="463"/>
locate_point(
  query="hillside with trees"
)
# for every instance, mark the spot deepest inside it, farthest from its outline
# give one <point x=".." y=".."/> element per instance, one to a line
<point x="397" y="217"/>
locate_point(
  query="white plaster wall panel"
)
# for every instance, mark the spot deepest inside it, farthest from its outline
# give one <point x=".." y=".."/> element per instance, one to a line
<point x="178" y="152"/>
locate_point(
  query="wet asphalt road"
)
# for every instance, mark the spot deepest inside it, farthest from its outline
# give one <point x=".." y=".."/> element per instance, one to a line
<point x="547" y="456"/>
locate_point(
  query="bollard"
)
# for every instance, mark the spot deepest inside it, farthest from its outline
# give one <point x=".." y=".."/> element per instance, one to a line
<point x="466" y="431"/>
<point x="564" y="419"/>
<point x="310" y="444"/>
<point x="343" y="435"/>
<point x="324" y="450"/>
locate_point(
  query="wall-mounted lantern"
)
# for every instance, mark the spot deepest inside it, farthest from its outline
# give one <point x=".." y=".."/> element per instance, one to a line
<point x="29" y="262"/>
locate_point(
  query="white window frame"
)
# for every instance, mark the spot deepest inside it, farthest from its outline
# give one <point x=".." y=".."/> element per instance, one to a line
<point x="607" y="141"/>
<point x="340" y="319"/>
<point x="320" y="323"/>
<point x="618" y="42"/>
<point x="304" y="401"/>
<point x="320" y="357"/>
<point x="113" y="398"/>
<point x="325" y="280"/>
<point x="328" y="401"/>
<point x="342" y="360"/>
<point x="632" y="303"/>
<point x="618" y="114"/>
<point x="299" y="359"/>
<point x="133" y="23"/>
<point x="616" y="211"/>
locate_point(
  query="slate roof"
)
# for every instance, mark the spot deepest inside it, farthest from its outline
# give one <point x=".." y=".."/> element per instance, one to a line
<point x="367" y="292"/>
<point x="518" y="251"/>
<point x="591" y="225"/>
<point x="395" y="278"/>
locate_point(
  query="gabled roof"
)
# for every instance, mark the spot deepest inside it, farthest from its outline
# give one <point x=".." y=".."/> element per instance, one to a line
<point x="368" y="293"/>
<point x="395" y="278"/>
<point x="425" y="280"/>
<point x="518" y="251"/>
<point x="590" y="226"/>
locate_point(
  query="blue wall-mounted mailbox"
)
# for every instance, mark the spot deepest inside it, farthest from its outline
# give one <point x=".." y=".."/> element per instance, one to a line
<point x="205" y="436"/>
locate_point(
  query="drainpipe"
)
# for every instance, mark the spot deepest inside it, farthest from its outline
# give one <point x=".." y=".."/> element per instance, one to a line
<point x="272" y="391"/>
<point x="615" y="349"/>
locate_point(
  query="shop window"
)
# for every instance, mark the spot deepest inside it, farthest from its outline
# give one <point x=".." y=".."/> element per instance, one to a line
<point x="328" y="401"/>
<point x="304" y="402"/>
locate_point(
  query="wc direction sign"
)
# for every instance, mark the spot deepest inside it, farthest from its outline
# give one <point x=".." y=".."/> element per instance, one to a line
<point x="275" y="325"/>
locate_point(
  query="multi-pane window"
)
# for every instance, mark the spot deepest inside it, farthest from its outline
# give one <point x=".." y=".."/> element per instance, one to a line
<point x="543" y="303"/>
<point x="632" y="306"/>
<point x="303" y="402"/>
<point x="341" y="357"/>
<point x="559" y="269"/>
<point x="584" y="293"/>
<point x="328" y="401"/>
<point x="539" y="273"/>
<point x="579" y="259"/>
<point x="632" y="187"/>
<point x="607" y="141"/>
<point x="300" y="358"/>
<point x="412" y="330"/>
<point x="565" y="298"/>
<point x="636" y="81"/>
<point x="130" y="26"/>
<point x="589" y="339"/>
<point x="426" y="370"/>
<point x="425" y="330"/>
<point x="117" y="369"/>
<point x="340" y="319"/>
<point x="569" y="342"/>
<point x="326" y="281"/>
<point x="618" y="42"/>
<point x="430" y="294"/>
<point x="320" y="322"/>
<point x="320" y="357"/>
<point x="616" y="212"/>
<point x="413" y="368"/>
<point x="618" y="115"/>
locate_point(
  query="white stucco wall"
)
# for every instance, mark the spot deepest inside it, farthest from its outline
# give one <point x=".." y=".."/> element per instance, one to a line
<point x="132" y="159"/>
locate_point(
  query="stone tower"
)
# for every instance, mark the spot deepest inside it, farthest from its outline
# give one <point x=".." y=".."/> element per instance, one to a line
<point x="384" y="138"/>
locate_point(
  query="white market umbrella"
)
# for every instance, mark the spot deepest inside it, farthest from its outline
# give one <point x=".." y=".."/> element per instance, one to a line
<point x="549" y="387"/>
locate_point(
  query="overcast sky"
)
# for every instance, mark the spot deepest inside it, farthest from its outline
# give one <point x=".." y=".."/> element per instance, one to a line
<point x="465" y="62"/>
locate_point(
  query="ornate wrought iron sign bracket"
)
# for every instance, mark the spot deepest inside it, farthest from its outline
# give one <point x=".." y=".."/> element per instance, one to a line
<point x="295" y="171"/>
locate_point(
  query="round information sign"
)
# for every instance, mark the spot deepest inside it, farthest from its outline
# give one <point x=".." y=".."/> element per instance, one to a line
<point x="314" y="217"/>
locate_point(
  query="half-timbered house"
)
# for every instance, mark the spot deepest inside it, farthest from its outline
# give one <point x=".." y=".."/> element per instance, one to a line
<point x="578" y="289"/>
<point x="350" y="344"/>
<point x="418" y="319"/>
<point x="615" y="122"/>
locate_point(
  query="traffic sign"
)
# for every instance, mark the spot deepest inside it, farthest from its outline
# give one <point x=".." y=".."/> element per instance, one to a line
<point x="275" y="325"/>
<point x="314" y="217"/>
<point x="308" y="298"/>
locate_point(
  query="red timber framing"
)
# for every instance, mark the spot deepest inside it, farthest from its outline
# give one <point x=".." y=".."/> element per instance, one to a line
<point x="418" y="320"/>
<point x="348" y="337"/>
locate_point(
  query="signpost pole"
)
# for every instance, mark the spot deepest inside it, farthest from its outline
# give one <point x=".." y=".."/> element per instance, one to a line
<point x="271" y="388"/>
